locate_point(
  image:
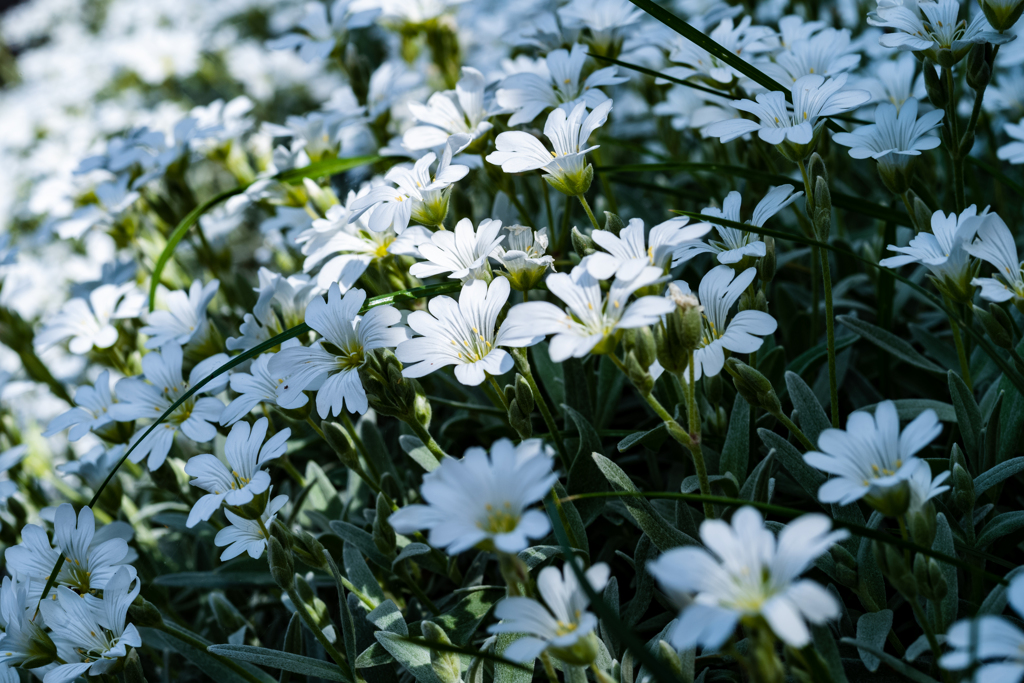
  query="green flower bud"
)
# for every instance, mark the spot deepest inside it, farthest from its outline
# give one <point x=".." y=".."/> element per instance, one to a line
<point x="524" y="394"/>
<point x="963" y="489"/>
<point x="892" y="501"/>
<point x="41" y="650"/>
<point x="144" y="613"/>
<point x="754" y="387"/>
<point x="133" y="668"/>
<point x="612" y="223"/>
<point x="680" y="332"/>
<point x="573" y="184"/>
<point x="713" y="388"/>
<point x="337" y="437"/>
<point x="816" y="168"/>
<point x="582" y="244"/>
<point x="519" y="420"/>
<point x="383" y="535"/>
<point x="668" y="655"/>
<point x="229" y="619"/>
<point x="387" y="391"/>
<point x="638" y="374"/>
<point x="309" y="550"/>
<point x="922" y="524"/>
<point x="435" y="210"/>
<point x="935" y="86"/>
<point x="895" y="568"/>
<point x="997" y="325"/>
<point x="323" y="198"/>
<point x="281" y="566"/>
<point x="445" y="664"/>
<point x="640" y="341"/>
<point x="822" y="209"/>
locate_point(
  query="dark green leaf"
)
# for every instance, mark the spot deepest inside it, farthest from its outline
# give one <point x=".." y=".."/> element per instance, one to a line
<point x="889" y="343"/>
<point x="873" y="629"/>
<point x="968" y="414"/>
<point x="811" y="415"/>
<point x="898" y="665"/>
<point x="276" y="659"/>
<point x="736" y="451"/>
<point x="1001" y="472"/>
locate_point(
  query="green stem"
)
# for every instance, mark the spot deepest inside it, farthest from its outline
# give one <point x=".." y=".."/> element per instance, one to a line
<point x="563" y="234"/>
<point x="929" y="633"/>
<point x="547" y="205"/>
<point x="427" y="439"/>
<point x="318" y="633"/>
<point x="954" y="141"/>
<point x="523" y="365"/>
<point x="910" y="210"/>
<point x="606" y="186"/>
<point x="961" y="353"/>
<point x="590" y="214"/>
<point x="201" y="644"/>
<point x="830" y="337"/>
<point x="693" y="422"/>
<point x="499" y="392"/>
<point x="796" y="431"/>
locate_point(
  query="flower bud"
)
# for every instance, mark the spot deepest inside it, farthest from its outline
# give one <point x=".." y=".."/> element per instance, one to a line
<point x="638" y="374"/>
<point x="574" y="183"/>
<point x="387" y="391"/>
<point x="323" y="198"/>
<point x="640" y="341"/>
<point x="519" y="420"/>
<point x="383" y="535"/>
<point x="713" y="388"/>
<point x="445" y="664"/>
<point x="822" y="209"/>
<point x="582" y="653"/>
<point x="816" y="168"/>
<point x="144" y="613"/>
<point x="434" y="208"/>
<point x="892" y="501"/>
<point x="337" y="437"/>
<point x="895" y="568"/>
<point x="309" y="550"/>
<point x="922" y="524"/>
<point x="41" y="649"/>
<point x="612" y="223"/>
<point x="754" y="387"/>
<point x="582" y="244"/>
<point x="524" y="394"/>
<point x="229" y="619"/>
<point x="963" y="489"/>
<point x="766" y="264"/>
<point x="281" y="566"/>
<point x="1001" y="14"/>
<point x="133" y="668"/>
<point x="677" y="337"/>
<point x="668" y="656"/>
<point x="935" y="86"/>
<point x="997" y="325"/>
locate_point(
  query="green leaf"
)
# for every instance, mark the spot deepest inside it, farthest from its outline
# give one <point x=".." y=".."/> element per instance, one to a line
<point x="757" y="487"/>
<point x="871" y="584"/>
<point x="736" y="450"/>
<point x="462" y="619"/>
<point x="572" y="520"/>
<point x="1001" y="472"/>
<point x="417" y="450"/>
<point x="663" y="534"/>
<point x="214" y="579"/>
<point x="801" y="363"/>
<point x="322" y="168"/>
<point x="873" y="629"/>
<point x="889" y="342"/>
<point x="584" y="475"/>
<point x="361" y="539"/>
<point x="609" y="389"/>
<point x="825" y="645"/>
<point x="1011" y="421"/>
<point x="967" y="413"/>
<point x="503" y="673"/>
<point x="999" y="526"/>
<point x="387" y="617"/>
<point x="909" y="408"/>
<point x="539" y="554"/>
<point x="652" y="438"/>
<point x="215" y="666"/>
<point x="414" y="658"/>
<point x="810" y="414"/>
<point x="285" y="661"/>
<point x="409" y="551"/>
<point x="645" y="552"/>
<point x="898" y="665"/>
<point x="361" y="577"/>
<point x="944" y="544"/>
<point x="809" y="479"/>
<point x="551" y="377"/>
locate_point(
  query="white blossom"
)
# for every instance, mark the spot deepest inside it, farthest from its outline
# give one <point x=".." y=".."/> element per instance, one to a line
<point x="185" y="317"/>
<point x="89" y="323"/>
<point x="734" y="244"/>
<point x="246" y="535"/>
<point x="462" y="252"/>
<point x="625" y="255"/>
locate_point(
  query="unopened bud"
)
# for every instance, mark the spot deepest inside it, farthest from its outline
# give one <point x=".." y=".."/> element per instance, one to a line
<point x="383" y="535"/>
<point x="922" y="217"/>
<point x="979" y="72"/>
<point x="638" y="374"/>
<point x="574" y="183"/>
<point x="323" y="198"/>
<point x="680" y="333"/>
<point x="668" y="655"/>
<point x="612" y="223"/>
<point x="816" y="168"/>
<point x="144" y="613"/>
<point x="963" y="489"/>
<point x="582" y="244"/>
<point x="754" y="387"/>
<point x="640" y="341"/>
<point x="519" y="420"/>
<point x="1002" y="16"/>
<point x="337" y="437"/>
<point x="524" y="394"/>
<point x="846" y="565"/>
<point x="309" y="550"/>
<point x="281" y="566"/>
<point x="892" y="501"/>
<point x="935" y="87"/>
<point x="922" y="524"/>
<point x="822" y="209"/>
<point x="133" y="668"/>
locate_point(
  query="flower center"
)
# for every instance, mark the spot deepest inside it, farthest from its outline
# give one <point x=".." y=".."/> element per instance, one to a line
<point x="499" y="520"/>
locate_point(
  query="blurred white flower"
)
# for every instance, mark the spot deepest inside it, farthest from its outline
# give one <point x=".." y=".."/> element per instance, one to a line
<point x="464" y="110"/>
<point x="185" y="318"/>
<point x="246" y="535"/>
<point x="625" y="255"/>
<point x="88" y="322"/>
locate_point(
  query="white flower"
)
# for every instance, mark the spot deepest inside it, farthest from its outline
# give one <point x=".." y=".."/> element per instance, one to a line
<point x="246" y="479"/>
<point x="462" y="252"/>
<point x="733" y="244"/>
<point x="464" y="110"/>
<point x="518" y="151"/>
<point x="894" y="139"/>
<point x="871" y="455"/>
<point x="258" y="386"/>
<point x="625" y="255"/>
<point x="320" y="35"/>
<point x="696" y="109"/>
<point x="557" y="624"/>
<point x="246" y="535"/>
<point x="926" y="26"/>
<point x="814" y="99"/>
<point x="555" y="84"/>
<point x="943" y="251"/>
<point x="389" y="83"/>
<point x="994" y="244"/>
<point x="91" y="557"/>
<point x="827" y="53"/>
<point x="23" y="640"/>
<point x="892" y="80"/>
<point x="335" y="360"/>
<point x="114" y="199"/>
<point x="88" y="323"/>
<point x="461" y="334"/>
<point x="91" y="412"/>
<point x="317" y="133"/>
<point x="717" y="293"/>
<point x="993" y="641"/>
<point x="94" y="466"/>
<point x="185" y="320"/>
<point x="159" y="387"/>
<point x="922" y="486"/>
<point x="743" y="40"/>
<point x="92" y="628"/>
<point x="418" y="195"/>
<point x="523" y="256"/>
<point x="350" y="246"/>
<point x="591" y="319"/>
<point x="483" y="500"/>
<point x="747" y="573"/>
<point x="606" y="19"/>
<point x="281" y="305"/>
<point x="1013" y="151"/>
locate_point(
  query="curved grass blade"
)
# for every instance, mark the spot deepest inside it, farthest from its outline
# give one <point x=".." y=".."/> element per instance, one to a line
<point x="321" y="168"/>
<point x="291" y="333"/>
<point x="856" y="529"/>
<point x="468" y="652"/>
<point x="998" y="175"/>
<point x="1008" y="370"/>
<point x="656" y="74"/>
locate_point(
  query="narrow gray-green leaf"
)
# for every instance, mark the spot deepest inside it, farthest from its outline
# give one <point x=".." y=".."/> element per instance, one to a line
<point x="898" y="665"/>
<point x="873" y="629"/>
<point x="276" y="659"/>
<point x="810" y="414"/>
<point x="736" y="450"/>
<point x="968" y="414"/>
<point x="1001" y="472"/>
<point x="1000" y="525"/>
<point x="889" y="342"/>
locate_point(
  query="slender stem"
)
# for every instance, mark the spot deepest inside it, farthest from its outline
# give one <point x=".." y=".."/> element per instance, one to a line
<point x="498" y="391"/>
<point x="316" y="427"/>
<point x="590" y="214"/>
<point x="563" y="234"/>
<point x="954" y="141"/>
<point x="693" y="422"/>
<point x="360" y="446"/>
<point x="796" y="431"/>
<point x="609" y="192"/>
<point x="910" y="210"/>
<point x="549" y="668"/>
<point x="523" y="365"/>
<point x="547" y="204"/>
<point x="961" y="353"/>
<point x="510" y="189"/>
<point x="318" y="633"/>
<point x="830" y="337"/>
<point x="929" y="633"/>
<point x="427" y="439"/>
